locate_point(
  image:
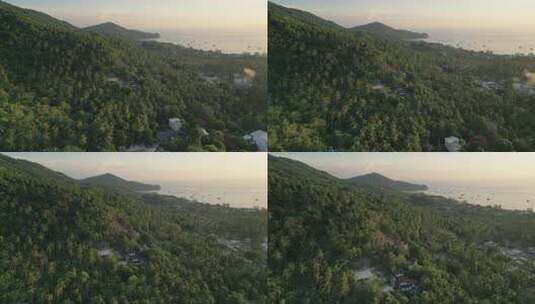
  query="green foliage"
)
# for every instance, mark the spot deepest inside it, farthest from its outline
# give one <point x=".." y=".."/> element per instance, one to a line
<point x="322" y="228"/>
<point x="62" y="88"/>
<point x="334" y="89"/>
<point x="51" y="229"/>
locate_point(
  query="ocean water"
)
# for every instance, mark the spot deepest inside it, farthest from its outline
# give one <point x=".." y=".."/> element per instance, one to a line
<point x="503" y="43"/>
<point x="507" y="198"/>
<point x="238" y="194"/>
<point x="228" y="42"/>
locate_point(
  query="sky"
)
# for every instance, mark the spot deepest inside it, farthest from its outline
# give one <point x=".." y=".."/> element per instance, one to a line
<point x="461" y="169"/>
<point x="153" y="167"/>
<point x="241" y="15"/>
<point x="422" y="15"/>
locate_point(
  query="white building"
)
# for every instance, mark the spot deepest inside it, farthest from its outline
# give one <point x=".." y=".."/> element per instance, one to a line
<point x="140" y="148"/>
<point x="175" y="124"/>
<point x="453" y="144"/>
<point x="259" y="138"/>
<point x="105" y="253"/>
<point x="379" y="86"/>
<point x="203" y="132"/>
<point x="489" y="85"/>
<point x="364" y="274"/>
<point x="211" y="79"/>
<point x="113" y="79"/>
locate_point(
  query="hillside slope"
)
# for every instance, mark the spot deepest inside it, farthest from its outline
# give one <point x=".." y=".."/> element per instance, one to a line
<point x="62" y="88"/>
<point x="115" y="30"/>
<point x="325" y="236"/>
<point x="379" y="181"/>
<point x="60" y="243"/>
<point x="334" y="89"/>
<point x="115" y="182"/>
<point x="29" y="14"/>
<point x="33" y="169"/>
<point x="304" y="17"/>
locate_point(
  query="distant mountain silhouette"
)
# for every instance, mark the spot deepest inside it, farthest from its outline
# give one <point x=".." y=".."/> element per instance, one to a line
<point x="386" y="31"/>
<point x="379" y="181"/>
<point x="115" y="30"/>
<point x="115" y="182"/>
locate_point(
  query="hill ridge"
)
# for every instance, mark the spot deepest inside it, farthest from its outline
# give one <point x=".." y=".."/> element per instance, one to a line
<point x="381" y="29"/>
<point x="110" y="28"/>
<point x="375" y="179"/>
<point x="113" y="181"/>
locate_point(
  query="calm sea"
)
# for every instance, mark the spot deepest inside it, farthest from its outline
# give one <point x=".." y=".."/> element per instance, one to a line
<point x="227" y="42"/>
<point x="504" y="43"/>
<point x="512" y="199"/>
<point x="237" y="194"/>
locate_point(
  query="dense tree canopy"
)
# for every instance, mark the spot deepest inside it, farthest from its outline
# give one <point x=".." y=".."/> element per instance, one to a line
<point x="322" y="230"/>
<point x="334" y="89"/>
<point x="54" y="235"/>
<point x="62" y="88"/>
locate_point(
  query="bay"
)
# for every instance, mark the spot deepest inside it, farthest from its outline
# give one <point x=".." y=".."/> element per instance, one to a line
<point x="502" y="43"/>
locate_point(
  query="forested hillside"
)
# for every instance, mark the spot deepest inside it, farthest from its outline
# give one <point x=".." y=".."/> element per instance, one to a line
<point x="65" y="243"/>
<point x="62" y="88"/>
<point x="379" y="181"/>
<point x="114" y="182"/>
<point x="384" y="30"/>
<point x="335" y="89"/>
<point x="331" y="242"/>
<point x="115" y="30"/>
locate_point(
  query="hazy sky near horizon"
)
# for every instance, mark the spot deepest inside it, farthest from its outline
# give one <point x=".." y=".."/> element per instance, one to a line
<point x="512" y="15"/>
<point x="239" y="15"/>
<point x="163" y="167"/>
<point x="461" y="169"/>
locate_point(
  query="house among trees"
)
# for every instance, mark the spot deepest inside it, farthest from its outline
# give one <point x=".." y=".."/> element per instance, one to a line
<point x="453" y="144"/>
<point x="176" y="124"/>
<point x="134" y="258"/>
<point x="401" y="92"/>
<point x="524" y="88"/>
<point x="203" y="132"/>
<point x="105" y="253"/>
<point x="259" y="138"/>
<point x="211" y="79"/>
<point x="140" y="148"/>
<point x="379" y="86"/>
<point x="491" y="244"/>
<point x="242" y="81"/>
<point x="250" y="73"/>
<point x="403" y="283"/>
<point x="113" y="79"/>
<point x="364" y="274"/>
<point x="489" y="85"/>
<point x="245" y="80"/>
